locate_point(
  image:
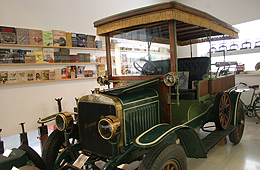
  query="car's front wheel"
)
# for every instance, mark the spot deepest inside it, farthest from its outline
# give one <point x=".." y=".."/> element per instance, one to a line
<point x="165" y="156"/>
<point x="55" y="143"/>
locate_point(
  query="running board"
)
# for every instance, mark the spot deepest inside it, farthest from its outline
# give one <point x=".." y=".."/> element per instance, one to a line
<point x="216" y="137"/>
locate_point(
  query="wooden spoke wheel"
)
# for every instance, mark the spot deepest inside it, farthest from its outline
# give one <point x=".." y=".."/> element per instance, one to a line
<point x="237" y="134"/>
<point x="165" y="156"/>
<point x="171" y="165"/>
<point x="222" y="110"/>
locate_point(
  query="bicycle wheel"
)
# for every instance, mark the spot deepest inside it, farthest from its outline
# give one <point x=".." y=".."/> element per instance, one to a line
<point x="247" y="112"/>
<point x="256" y="107"/>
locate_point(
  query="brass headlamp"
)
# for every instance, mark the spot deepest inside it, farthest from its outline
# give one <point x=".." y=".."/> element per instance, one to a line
<point x="171" y="78"/>
<point x="64" y="121"/>
<point x="109" y="127"/>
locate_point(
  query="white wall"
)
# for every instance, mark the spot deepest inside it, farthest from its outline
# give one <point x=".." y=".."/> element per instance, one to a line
<point x="28" y="102"/>
<point x="249" y="80"/>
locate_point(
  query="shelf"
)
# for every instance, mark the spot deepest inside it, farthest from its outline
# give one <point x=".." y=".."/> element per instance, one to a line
<point x="79" y="48"/>
<point x="247" y="75"/>
<point x="155" y="52"/>
<point x="42" y="46"/>
<point x="236" y="52"/>
<point x="28" y="64"/>
<point x="44" y="81"/>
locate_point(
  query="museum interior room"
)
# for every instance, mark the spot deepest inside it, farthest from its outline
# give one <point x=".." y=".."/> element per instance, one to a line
<point x="119" y="84"/>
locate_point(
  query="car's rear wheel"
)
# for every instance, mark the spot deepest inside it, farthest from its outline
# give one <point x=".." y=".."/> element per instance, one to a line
<point x="55" y="143"/>
<point x="237" y="134"/>
<point x="165" y="156"/>
<point x="222" y="110"/>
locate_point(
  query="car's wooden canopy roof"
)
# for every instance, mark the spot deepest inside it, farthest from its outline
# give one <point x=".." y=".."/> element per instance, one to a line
<point x="192" y="25"/>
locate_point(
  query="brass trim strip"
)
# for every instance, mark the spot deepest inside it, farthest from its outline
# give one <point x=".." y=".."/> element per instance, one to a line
<point x="160" y="137"/>
<point x="140" y="99"/>
<point x="116" y="103"/>
<point x="149" y="82"/>
<point x="202" y="113"/>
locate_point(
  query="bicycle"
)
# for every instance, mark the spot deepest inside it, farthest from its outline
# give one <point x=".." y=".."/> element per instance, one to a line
<point x="253" y="108"/>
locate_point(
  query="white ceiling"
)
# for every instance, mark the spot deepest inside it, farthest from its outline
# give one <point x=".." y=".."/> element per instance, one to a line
<point x="230" y="11"/>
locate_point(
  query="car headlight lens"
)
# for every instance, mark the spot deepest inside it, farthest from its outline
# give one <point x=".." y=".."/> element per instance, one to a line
<point x="170" y="79"/>
<point x="64" y="121"/>
<point x="109" y="127"/>
<point x="103" y="80"/>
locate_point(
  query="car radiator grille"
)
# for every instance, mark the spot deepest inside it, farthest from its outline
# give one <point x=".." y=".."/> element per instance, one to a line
<point x="140" y="119"/>
<point x="90" y="139"/>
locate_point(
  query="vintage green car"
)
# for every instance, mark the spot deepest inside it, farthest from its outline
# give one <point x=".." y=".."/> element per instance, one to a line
<point x="158" y="102"/>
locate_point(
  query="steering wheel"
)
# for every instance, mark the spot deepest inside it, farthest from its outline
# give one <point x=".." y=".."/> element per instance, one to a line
<point x="146" y="69"/>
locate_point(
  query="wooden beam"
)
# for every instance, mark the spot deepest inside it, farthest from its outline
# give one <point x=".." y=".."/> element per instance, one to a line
<point x="194" y="36"/>
<point x="174" y="64"/>
<point x="108" y="54"/>
<point x="173" y="44"/>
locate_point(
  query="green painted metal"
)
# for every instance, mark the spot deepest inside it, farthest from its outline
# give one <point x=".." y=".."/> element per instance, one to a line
<point x="164" y="132"/>
<point x="137" y="85"/>
<point x="131" y="154"/>
<point x="204" y="97"/>
<point x="17" y="158"/>
<point x="66" y="153"/>
<point x="140" y="111"/>
<point x="235" y="96"/>
<point x="154" y="135"/>
<point x="180" y="112"/>
<point x="190" y="109"/>
<point x="173" y="94"/>
<point x="191" y="143"/>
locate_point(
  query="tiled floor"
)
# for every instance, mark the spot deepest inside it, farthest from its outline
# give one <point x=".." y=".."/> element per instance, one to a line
<point x="243" y="156"/>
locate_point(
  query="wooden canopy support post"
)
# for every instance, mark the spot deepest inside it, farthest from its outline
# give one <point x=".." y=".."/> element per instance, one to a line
<point x="108" y="55"/>
<point x="173" y="45"/>
<point x="173" y="49"/>
<point x="190" y="49"/>
<point x="174" y="61"/>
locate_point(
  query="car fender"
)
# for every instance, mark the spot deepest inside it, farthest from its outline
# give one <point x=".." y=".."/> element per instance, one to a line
<point x="235" y="98"/>
<point x="164" y="132"/>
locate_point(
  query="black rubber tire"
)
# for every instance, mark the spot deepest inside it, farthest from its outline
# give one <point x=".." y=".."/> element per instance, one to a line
<point x="32" y="155"/>
<point x="53" y="144"/>
<point x="163" y="153"/>
<point x="257" y="104"/>
<point x="218" y="110"/>
<point x="237" y="134"/>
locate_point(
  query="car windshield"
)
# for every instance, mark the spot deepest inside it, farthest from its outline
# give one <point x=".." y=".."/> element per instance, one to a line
<point x="143" y="51"/>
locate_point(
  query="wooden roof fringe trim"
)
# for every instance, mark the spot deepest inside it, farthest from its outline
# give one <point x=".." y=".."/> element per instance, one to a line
<point x="163" y="15"/>
<point x="200" y="40"/>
